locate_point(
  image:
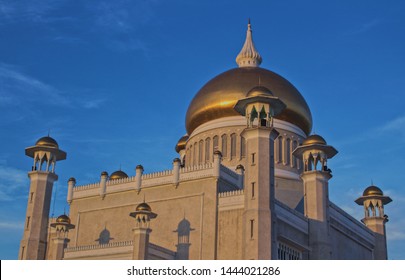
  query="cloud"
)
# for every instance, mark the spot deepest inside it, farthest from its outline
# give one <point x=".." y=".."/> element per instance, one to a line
<point x="397" y="124"/>
<point x="13" y="184"/>
<point x="12" y="225"/>
<point x="68" y="40"/>
<point x="12" y="11"/>
<point x="366" y="26"/>
<point x="122" y="15"/>
<point x="395" y="228"/>
<point x="128" y="45"/>
<point x="18" y="88"/>
<point x="93" y="104"/>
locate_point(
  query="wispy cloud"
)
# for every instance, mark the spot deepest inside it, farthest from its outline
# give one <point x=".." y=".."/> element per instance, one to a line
<point x="123" y="15"/>
<point x="12" y="225"/>
<point x="12" y="11"/>
<point x="395" y="229"/>
<point x="366" y="26"/>
<point x="13" y="184"/>
<point x="128" y="45"/>
<point x="120" y="22"/>
<point x="93" y="104"/>
<point x="397" y="124"/>
<point x="17" y="87"/>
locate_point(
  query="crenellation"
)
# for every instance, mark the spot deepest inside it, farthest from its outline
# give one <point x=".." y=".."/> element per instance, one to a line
<point x="86" y="187"/>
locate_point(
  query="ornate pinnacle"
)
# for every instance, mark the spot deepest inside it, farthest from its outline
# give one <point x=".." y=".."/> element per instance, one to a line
<point x="249" y="56"/>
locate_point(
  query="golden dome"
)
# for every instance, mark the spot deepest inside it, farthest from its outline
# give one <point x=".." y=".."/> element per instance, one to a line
<point x="118" y="175"/>
<point x="63" y="219"/>
<point x="314" y="139"/>
<point x="372" y="191"/>
<point x="48" y="142"/>
<point x="181" y="144"/>
<point x="143" y="207"/>
<point x="217" y="98"/>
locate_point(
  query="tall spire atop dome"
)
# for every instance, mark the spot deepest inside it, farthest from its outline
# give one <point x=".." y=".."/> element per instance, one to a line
<point x="249" y="56"/>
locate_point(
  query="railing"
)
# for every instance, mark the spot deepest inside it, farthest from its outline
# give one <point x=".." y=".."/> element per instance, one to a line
<point x="230" y="193"/>
<point x="99" y="246"/>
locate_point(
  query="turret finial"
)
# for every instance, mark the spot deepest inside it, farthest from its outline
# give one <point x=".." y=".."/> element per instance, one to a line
<point x="249" y="56"/>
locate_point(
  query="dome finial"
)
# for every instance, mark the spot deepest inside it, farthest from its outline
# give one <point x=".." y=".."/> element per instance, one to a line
<point x="249" y="56"/>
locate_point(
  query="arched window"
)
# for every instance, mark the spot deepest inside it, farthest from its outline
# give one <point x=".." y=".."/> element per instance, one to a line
<point x="280" y="149"/>
<point x="288" y="152"/>
<point x="233" y="145"/>
<point x="215" y="141"/>
<point x="224" y="145"/>
<point x="207" y="149"/>
<point x="242" y="147"/>
<point x="200" y="151"/>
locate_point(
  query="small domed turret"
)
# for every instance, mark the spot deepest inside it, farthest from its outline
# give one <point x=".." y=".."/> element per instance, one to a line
<point x="47" y="142"/>
<point x="143" y="210"/>
<point x="63" y="219"/>
<point x="259" y="91"/>
<point x="373" y="191"/>
<point x="143" y="207"/>
<point x="118" y="175"/>
<point x="181" y="144"/>
<point x="314" y="139"/>
<point x="62" y="224"/>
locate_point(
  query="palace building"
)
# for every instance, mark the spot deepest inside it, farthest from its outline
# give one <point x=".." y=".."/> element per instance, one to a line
<point x="250" y="182"/>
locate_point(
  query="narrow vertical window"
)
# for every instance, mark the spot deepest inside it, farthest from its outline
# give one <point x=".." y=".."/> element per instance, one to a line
<point x="288" y="151"/>
<point x="242" y="147"/>
<point x="207" y="149"/>
<point x="215" y="141"/>
<point x="253" y="158"/>
<point x="251" y="228"/>
<point x="200" y="151"/>
<point x="224" y="145"/>
<point x="280" y="149"/>
<point x="191" y="154"/>
<point x="28" y="222"/>
<point x="294" y="158"/>
<point x="31" y="197"/>
<point x="233" y="146"/>
<point x="253" y="189"/>
<point x="195" y="154"/>
<point x="22" y="252"/>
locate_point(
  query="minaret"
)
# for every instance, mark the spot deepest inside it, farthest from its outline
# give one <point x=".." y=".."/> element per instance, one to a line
<point x="45" y="153"/>
<point x="373" y="201"/>
<point x="143" y="214"/>
<point x="259" y="108"/>
<point x="315" y="153"/>
<point x="62" y="226"/>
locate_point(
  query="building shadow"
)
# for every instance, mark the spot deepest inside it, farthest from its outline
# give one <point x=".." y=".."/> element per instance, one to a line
<point x="183" y="239"/>
<point x="104" y="237"/>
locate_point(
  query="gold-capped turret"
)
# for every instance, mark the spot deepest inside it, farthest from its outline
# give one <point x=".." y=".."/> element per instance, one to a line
<point x="119" y="174"/>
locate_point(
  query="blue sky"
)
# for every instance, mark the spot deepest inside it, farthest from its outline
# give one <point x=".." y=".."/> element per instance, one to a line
<point x="112" y="81"/>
